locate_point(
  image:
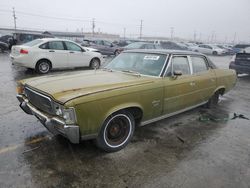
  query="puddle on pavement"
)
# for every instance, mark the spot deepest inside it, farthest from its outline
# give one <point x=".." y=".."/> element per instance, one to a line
<point x="219" y="116"/>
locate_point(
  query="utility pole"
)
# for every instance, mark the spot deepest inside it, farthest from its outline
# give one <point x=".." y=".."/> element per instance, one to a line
<point x="234" y="37"/>
<point x="141" y="29"/>
<point x="93" y="27"/>
<point x="172" y="32"/>
<point x="14" y="16"/>
<point x="124" y="33"/>
<point x="194" y="36"/>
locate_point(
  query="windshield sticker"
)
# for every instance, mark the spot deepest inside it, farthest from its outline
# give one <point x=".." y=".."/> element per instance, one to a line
<point x="151" y="57"/>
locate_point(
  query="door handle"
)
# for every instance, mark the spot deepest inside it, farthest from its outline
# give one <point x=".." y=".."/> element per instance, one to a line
<point x="212" y="79"/>
<point x="192" y="83"/>
<point x="51" y="51"/>
<point x="71" y="52"/>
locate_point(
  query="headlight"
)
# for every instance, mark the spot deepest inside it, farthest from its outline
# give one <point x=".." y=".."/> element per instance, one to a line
<point x="19" y="88"/>
<point x="69" y="115"/>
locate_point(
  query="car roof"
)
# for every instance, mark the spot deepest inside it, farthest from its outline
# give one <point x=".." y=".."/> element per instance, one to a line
<point x="164" y="52"/>
<point x="55" y="39"/>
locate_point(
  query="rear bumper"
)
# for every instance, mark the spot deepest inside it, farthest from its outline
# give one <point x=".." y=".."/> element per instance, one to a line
<point x="54" y="124"/>
<point x="239" y="68"/>
<point x="20" y="61"/>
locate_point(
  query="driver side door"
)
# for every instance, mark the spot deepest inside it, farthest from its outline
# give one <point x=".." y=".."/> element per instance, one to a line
<point x="178" y="90"/>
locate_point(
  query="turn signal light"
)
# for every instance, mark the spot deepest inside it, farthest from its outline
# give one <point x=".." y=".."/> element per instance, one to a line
<point x="22" y="51"/>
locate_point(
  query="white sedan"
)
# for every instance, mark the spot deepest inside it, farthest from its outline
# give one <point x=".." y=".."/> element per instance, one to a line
<point x="209" y="49"/>
<point x="51" y="53"/>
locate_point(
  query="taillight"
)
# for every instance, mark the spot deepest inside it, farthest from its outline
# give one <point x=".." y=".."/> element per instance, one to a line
<point x="233" y="58"/>
<point x="22" y="51"/>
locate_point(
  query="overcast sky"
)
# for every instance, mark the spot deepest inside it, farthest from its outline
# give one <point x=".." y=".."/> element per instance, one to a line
<point x="219" y="19"/>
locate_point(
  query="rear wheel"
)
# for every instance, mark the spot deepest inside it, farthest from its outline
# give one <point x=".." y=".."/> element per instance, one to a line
<point x="95" y="63"/>
<point x="116" y="132"/>
<point x="43" y="66"/>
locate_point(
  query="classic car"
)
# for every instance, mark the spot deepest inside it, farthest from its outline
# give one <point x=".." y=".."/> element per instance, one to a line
<point x="137" y="87"/>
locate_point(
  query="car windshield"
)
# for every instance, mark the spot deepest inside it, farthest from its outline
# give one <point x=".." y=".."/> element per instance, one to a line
<point x="138" y="63"/>
<point x="134" y="45"/>
<point x="33" y="42"/>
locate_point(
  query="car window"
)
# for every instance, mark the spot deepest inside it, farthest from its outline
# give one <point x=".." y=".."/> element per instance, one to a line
<point x="33" y="42"/>
<point x="149" y="46"/>
<point x="143" y="63"/>
<point x="99" y="42"/>
<point x="44" y="46"/>
<point x="106" y="43"/>
<point x="56" y="45"/>
<point x="72" y="47"/>
<point x="180" y="63"/>
<point x="199" y="64"/>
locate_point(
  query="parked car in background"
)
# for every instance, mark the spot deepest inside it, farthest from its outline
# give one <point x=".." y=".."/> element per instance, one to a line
<point x="140" y="45"/>
<point x="241" y="61"/>
<point x="46" y="54"/>
<point x="229" y="50"/>
<point x="173" y="45"/>
<point x="210" y="49"/>
<point x="122" y="43"/>
<point x="105" y="47"/>
<point x="137" y="87"/>
<point x="238" y="47"/>
<point x="4" y="47"/>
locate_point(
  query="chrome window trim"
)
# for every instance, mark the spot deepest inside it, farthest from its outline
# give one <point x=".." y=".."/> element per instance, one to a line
<point x="170" y="62"/>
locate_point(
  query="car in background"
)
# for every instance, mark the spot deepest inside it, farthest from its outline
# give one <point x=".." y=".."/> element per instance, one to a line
<point x="138" y="87"/>
<point x="241" y="61"/>
<point x="3" y="47"/>
<point x="191" y="46"/>
<point x="229" y="50"/>
<point x="210" y="49"/>
<point x="46" y="54"/>
<point x="105" y="47"/>
<point x="140" y="45"/>
<point x="170" y="45"/>
<point x="238" y="47"/>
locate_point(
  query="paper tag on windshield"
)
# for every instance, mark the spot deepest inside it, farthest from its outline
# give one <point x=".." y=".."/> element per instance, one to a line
<point x="151" y="57"/>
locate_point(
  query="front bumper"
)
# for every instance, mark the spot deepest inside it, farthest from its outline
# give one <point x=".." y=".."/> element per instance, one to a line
<point x="54" y="124"/>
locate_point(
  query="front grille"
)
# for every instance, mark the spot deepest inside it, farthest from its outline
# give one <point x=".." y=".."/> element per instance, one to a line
<point x="39" y="100"/>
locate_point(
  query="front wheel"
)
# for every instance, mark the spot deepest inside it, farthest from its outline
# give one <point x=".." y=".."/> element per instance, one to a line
<point x="215" y="53"/>
<point x="95" y="63"/>
<point x="213" y="101"/>
<point x="116" y="132"/>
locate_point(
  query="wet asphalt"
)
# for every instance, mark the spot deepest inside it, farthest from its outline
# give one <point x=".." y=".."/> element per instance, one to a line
<point x="199" y="148"/>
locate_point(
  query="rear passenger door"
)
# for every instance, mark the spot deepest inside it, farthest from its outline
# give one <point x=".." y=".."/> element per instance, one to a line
<point x="204" y="78"/>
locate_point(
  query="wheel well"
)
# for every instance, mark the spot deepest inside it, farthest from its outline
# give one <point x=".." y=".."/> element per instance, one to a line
<point x="136" y="112"/>
<point x="93" y="59"/>
<point x="46" y="60"/>
<point x="220" y="91"/>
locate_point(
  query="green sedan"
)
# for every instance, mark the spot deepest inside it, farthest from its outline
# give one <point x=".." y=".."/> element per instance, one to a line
<point x="136" y="88"/>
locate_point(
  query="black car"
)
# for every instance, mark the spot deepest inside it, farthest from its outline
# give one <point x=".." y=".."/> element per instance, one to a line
<point x="241" y="62"/>
<point x="4" y="47"/>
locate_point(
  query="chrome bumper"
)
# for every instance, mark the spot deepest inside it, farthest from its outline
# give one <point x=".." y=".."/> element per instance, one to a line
<point x="54" y="124"/>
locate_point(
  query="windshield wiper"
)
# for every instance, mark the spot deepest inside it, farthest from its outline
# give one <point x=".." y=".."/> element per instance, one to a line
<point x="133" y="72"/>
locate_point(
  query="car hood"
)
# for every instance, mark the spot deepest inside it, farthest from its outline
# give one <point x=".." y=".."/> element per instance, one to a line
<point x="65" y="87"/>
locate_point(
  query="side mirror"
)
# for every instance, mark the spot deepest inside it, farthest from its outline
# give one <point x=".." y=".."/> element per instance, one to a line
<point x="177" y="73"/>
